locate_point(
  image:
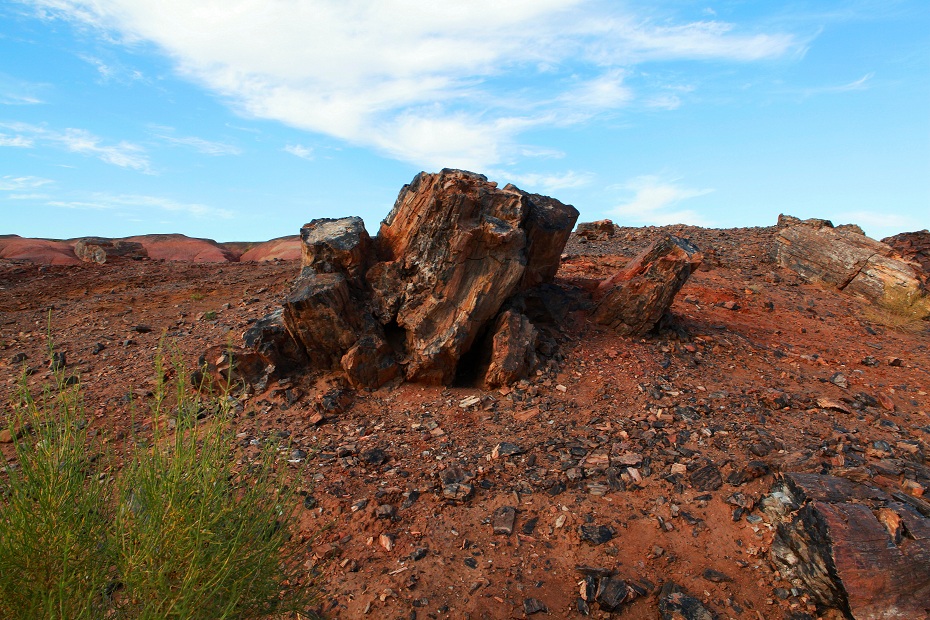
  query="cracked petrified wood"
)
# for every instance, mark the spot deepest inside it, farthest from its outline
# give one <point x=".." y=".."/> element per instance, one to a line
<point x="852" y="546"/>
<point x="851" y="262"/>
<point x="633" y="300"/>
<point x="430" y="287"/>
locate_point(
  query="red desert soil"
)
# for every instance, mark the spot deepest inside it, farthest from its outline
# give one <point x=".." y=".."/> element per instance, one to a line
<point x="41" y="251"/>
<point x="749" y="370"/>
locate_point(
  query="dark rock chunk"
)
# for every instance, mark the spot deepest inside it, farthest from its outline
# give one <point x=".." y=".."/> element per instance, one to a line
<point x="548" y="225"/>
<point x="611" y="593"/>
<point x="269" y="337"/>
<point x="676" y="604"/>
<point x="534" y="606"/>
<point x="706" y="478"/>
<point x="596" y="534"/>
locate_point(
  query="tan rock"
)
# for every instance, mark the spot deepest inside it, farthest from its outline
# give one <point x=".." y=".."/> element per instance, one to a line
<point x="851" y="262"/>
<point x="337" y="246"/>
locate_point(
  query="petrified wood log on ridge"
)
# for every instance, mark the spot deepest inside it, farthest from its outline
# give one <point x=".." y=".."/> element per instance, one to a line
<point x="854" y="547"/>
<point x="851" y="262"/>
<point x="633" y="300"/>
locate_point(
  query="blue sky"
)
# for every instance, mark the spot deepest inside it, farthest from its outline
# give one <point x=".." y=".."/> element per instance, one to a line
<point x="244" y="119"/>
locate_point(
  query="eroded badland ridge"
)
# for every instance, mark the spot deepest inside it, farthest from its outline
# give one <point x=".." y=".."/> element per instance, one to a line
<point x="759" y="450"/>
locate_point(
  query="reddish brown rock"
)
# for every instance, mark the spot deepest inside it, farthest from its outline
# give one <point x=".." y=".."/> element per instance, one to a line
<point x="461" y="252"/>
<point x="914" y="246"/>
<point x="337" y="246"/>
<point x="596" y="231"/>
<point x="633" y="300"/>
<point x="839" y="539"/>
<point x="513" y="350"/>
<point x="851" y="262"/>
<point x="99" y="250"/>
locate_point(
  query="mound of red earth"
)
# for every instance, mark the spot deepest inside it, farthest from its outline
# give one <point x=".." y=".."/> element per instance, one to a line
<point x="41" y="251"/>
<point x="183" y="248"/>
<point x="282" y="248"/>
<point x="762" y="452"/>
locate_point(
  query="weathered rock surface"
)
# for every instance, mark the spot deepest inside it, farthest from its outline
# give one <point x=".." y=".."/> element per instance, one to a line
<point x="513" y="350"/>
<point x="853" y="546"/>
<point x="633" y="300"/>
<point x="99" y="250"/>
<point x="914" y="246"/>
<point x="228" y="368"/>
<point x="851" y="262"/>
<point x="460" y="246"/>
<point x="595" y="231"/>
<point x="412" y="302"/>
<point x="337" y="246"/>
<point x="270" y="338"/>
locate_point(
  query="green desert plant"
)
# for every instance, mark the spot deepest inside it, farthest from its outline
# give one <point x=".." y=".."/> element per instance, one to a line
<point x="176" y="533"/>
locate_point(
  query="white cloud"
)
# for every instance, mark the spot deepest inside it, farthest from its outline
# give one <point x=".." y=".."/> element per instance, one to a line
<point x="298" y="150"/>
<point x="207" y="147"/>
<point x="139" y="203"/>
<point x="418" y="81"/>
<point x="545" y="183"/>
<point x="655" y="201"/>
<point x="12" y="184"/>
<point x="16" y="141"/>
<point x="123" y="154"/>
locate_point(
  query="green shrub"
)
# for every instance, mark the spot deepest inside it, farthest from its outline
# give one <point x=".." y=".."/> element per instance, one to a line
<point x="176" y="533"/>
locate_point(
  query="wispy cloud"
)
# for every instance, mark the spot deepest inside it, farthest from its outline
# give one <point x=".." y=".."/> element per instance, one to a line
<point x="863" y="83"/>
<point x="141" y="204"/>
<point x="207" y="147"/>
<point x="14" y="91"/>
<point x="298" y="150"/>
<point x="16" y="141"/>
<point x="656" y="201"/>
<point x="537" y="182"/>
<point x="123" y="154"/>
<point x="15" y="184"/>
<point x="414" y="80"/>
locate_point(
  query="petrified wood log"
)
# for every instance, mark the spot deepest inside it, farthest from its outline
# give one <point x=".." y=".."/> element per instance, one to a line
<point x="854" y="547"/>
<point x="851" y="262"/>
<point x="99" y="250"/>
<point x="513" y="350"/>
<point x="633" y="300"/>
<point x="337" y="246"/>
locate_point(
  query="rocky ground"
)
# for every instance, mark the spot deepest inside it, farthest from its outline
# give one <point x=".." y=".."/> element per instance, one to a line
<point x="624" y="465"/>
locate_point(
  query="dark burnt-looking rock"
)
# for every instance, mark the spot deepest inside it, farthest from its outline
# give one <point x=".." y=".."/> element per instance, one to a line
<point x="548" y="225"/>
<point x="269" y="337"/>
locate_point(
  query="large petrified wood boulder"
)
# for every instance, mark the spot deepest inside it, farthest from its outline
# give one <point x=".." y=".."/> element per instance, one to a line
<point x="852" y="546"/>
<point x="851" y="262"/>
<point x="460" y="246"/>
<point x="413" y="301"/>
<point x="633" y="300"/>
<point x="914" y="246"/>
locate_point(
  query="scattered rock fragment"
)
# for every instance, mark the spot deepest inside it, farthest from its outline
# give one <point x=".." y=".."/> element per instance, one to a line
<point x="596" y="534"/>
<point x="676" y="604"/>
<point x="504" y="520"/>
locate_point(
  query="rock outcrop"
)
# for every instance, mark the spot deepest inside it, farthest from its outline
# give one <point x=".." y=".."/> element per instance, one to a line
<point x="914" y="246"/>
<point x="634" y="300"/>
<point x="596" y="231"/>
<point x="852" y="546"/>
<point x="431" y="286"/>
<point x="849" y="261"/>
<point x="99" y="250"/>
